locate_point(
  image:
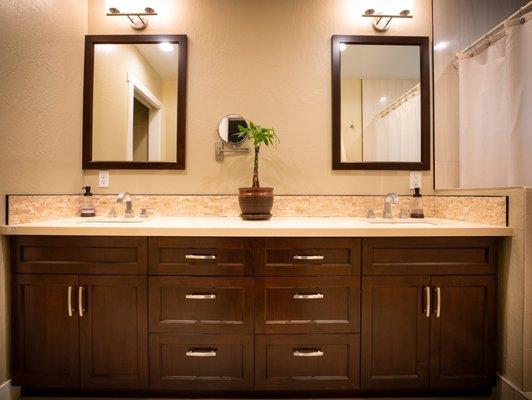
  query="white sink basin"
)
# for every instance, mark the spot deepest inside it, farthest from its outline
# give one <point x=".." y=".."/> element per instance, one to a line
<point x="113" y="220"/>
<point x="402" y="222"/>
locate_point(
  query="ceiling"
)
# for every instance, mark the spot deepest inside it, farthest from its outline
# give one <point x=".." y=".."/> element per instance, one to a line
<point x="380" y="62"/>
<point x="164" y="63"/>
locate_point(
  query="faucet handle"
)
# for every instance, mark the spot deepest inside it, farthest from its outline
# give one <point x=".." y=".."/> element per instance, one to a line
<point x="371" y="213"/>
<point x="143" y="212"/>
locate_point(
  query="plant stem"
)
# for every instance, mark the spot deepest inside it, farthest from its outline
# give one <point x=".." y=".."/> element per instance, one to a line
<point x="256" y="168"/>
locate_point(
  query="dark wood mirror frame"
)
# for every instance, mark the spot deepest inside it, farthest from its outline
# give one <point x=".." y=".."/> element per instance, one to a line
<point x="90" y="42"/>
<point x="423" y="43"/>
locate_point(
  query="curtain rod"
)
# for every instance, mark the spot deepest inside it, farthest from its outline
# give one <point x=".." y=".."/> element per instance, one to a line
<point x="403" y="98"/>
<point x="523" y="10"/>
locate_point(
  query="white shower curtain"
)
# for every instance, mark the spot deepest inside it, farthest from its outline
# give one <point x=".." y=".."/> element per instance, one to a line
<point x="397" y="135"/>
<point x="495" y="114"/>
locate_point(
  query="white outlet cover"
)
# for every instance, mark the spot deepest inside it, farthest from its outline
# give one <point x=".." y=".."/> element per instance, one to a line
<point x="415" y="179"/>
<point x="103" y="179"/>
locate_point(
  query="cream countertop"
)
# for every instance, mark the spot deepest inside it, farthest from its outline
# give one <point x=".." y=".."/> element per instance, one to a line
<point x="235" y="226"/>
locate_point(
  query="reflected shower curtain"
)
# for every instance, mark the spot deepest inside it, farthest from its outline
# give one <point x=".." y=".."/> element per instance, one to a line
<point x="495" y="115"/>
<point x="397" y="135"/>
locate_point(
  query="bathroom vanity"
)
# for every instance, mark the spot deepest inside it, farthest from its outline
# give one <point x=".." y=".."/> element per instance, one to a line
<point x="181" y="314"/>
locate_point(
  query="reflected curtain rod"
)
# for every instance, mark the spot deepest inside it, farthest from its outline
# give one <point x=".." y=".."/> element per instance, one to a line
<point x="497" y="29"/>
<point x="403" y="98"/>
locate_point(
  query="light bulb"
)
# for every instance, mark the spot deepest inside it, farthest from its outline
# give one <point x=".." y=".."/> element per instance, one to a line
<point x="342" y="46"/>
<point x="165" y="46"/>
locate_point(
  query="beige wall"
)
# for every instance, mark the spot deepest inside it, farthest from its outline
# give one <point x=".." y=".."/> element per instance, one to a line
<point x="41" y="65"/>
<point x="351" y="114"/>
<point x="112" y="64"/>
<point x="271" y="62"/>
<point x="170" y="120"/>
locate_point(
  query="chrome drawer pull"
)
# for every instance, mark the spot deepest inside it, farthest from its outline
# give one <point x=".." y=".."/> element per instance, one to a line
<point x="309" y="296"/>
<point x="81" y="309"/>
<point x="201" y="353"/>
<point x="200" y="256"/>
<point x="308" y="257"/>
<point x="427" y="301"/>
<point x="438" y="302"/>
<point x="70" y="310"/>
<point x="308" y="353"/>
<point x="207" y="296"/>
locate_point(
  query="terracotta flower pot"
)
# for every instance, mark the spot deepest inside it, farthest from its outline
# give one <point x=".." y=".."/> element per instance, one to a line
<point x="255" y="203"/>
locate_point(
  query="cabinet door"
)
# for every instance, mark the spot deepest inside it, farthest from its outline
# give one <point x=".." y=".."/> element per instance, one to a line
<point x="463" y="331"/>
<point x="45" y="331"/>
<point x="113" y="331"/>
<point x="395" y="332"/>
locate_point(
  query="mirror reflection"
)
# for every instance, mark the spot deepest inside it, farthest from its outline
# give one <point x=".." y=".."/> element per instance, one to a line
<point x="380" y="103"/>
<point x="228" y="129"/>
<point x="135" y="102"/>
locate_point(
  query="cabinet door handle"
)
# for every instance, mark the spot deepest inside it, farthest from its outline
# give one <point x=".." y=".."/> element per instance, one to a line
<point x="308" y="353"/>
<point x="315" y="257"/>
<point x="427" y="301"/>
<point x="80" y="301"/>
<point x="200" y="256"/>
<point x="206" y="296"/>
<point x="70" y="309"/>
<point x="310" y="296"/>
<point x="438" y="302"/>
<point x="201" y="353"/>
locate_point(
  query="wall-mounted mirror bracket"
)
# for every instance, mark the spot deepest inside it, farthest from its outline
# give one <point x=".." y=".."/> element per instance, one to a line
<point x="220" y="148"/>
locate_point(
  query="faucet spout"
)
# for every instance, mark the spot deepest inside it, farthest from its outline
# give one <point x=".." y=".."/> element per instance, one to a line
<point x="391" y="198"/>
<point x="125" y="197"/>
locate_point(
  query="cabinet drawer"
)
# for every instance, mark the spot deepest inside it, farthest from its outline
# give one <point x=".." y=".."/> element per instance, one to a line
<point x="307" y="362"/>
<point x="201" y="362"/>
<point x="307" y="305"/>
<point x="200" y="256"/>
<point x="201" y="305"/>
<point x="308" y="257"/>
<point x="79" y="254"/>
<point x="430" y="256"/>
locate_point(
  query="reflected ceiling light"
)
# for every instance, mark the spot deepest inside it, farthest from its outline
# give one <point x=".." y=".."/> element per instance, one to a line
<point x="166" y="46"/>
<point x="383" y="99"/>
<point x="382" y="13"/>
<point x="441" y="46"/>
<point x="342" y="46"/>
<point x="136" y="11"/>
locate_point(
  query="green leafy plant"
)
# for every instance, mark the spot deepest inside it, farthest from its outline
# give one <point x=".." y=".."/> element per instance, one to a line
<point x="259" y="136"/>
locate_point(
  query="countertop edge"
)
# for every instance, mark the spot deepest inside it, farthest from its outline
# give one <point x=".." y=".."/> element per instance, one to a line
<point x="257" y="232"/>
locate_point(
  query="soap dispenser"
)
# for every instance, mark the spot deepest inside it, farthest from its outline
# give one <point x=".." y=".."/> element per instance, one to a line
<point x="88" y="208"/>
<point x="415" y="210"/>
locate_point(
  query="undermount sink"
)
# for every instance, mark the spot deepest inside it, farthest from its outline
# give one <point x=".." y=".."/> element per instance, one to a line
<point x="114" y="221"/>
<point x="401" y="221"/>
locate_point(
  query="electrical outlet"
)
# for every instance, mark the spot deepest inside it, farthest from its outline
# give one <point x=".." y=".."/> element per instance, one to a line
<point x="103" y="179"/>
<point x="415" y="179"/>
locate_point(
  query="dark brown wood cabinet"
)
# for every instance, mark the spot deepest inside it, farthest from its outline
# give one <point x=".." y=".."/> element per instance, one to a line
<point x="45" y="338"/>
<point x="395" y="332"/>
<point x="113" y="332"/>
<point x="233" y="315"/>
<point x="463" y="332"/>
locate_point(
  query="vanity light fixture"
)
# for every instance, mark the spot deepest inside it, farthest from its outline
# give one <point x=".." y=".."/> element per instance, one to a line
<point x="382" y="15"/>
<point x="138" y="19"/>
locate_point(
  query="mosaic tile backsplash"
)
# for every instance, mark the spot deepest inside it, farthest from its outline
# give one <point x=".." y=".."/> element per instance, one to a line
<point x="33" y="208"/>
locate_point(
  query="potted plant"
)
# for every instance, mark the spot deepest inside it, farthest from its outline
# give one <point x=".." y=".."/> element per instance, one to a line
<point x="256" y="202"/>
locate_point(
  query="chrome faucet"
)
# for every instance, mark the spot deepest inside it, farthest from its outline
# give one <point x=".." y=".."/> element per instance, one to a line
<point x="391" y="198"/>
<point x="125" y="197"/>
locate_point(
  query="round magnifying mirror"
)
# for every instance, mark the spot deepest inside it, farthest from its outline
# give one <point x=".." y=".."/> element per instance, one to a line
<point x="228" y="129"/>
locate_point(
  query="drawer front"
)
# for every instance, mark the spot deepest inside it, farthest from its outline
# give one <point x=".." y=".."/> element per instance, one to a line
<point x="79" y="254"/>
<point x="201" y="305"/>
<point x="430" y="256"/>
<point x="201" y="362"/>
<point x="307" y="305"/>
<point x="308" y="257"/>
<point x="200" y="256"/>
<point x="307" y="362"/>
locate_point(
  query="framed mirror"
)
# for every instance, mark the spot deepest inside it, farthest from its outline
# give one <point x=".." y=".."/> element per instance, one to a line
<point x="134" y="104"/>
<point x="380" y="103"/>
